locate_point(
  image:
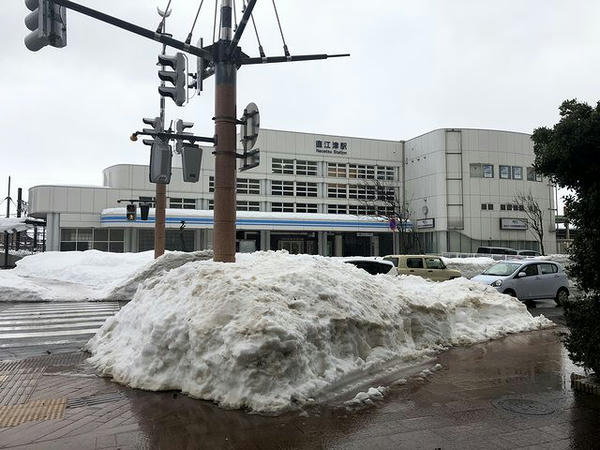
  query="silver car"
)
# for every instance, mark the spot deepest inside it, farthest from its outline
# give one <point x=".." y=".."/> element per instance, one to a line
<point x="528" y="280"/>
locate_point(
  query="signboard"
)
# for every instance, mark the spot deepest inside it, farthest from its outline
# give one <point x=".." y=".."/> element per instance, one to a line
<point x="513" y="224"/>
<point x="425" y="223"/>
<point x="331" y="147"/>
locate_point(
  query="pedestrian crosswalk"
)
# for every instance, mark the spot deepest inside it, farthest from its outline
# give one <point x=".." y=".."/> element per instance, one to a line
<point x="30" y="329"/>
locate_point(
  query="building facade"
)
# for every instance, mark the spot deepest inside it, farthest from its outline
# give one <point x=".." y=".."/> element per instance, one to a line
<point x="322" y="194"/>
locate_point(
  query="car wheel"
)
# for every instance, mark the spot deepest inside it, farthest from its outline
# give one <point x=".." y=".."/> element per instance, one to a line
<point x="510" y="292"/>
<point x="562" y="296"/>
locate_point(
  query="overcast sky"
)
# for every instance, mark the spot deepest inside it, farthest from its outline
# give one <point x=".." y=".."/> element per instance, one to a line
<point x="416" y="65"/>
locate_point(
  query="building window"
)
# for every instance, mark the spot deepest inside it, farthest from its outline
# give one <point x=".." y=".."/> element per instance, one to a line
<point x="282" y="207"/>
<point x="306" y="189"/>
<point x="337" y="209"/>
<point x="306" y="208"/>
<point x="337" y="170"/>
<point x="509" y="207"/>
<point x="248" y="186"/>
<point x="505" y="172"/>
<point x="211" y="184"/>
<point x="361" y="171"/>
<point x="478" y="170"/>
<point x="336" y="191"/>
<point x="517" y="173"/>
<point x="182" y="203"/>
<point x="107" y="240"/>
<point x="211" y="205"/>
<point x="502" y="207"/>
<point x="285" y="188"/>
<point x="243" y="205"/>
<point x="490" y="206"/>
<point x="532" y="175"/>
<point x="484" y="206"/>
<point x="306" y="167"/>
<point x="283" y="166"/>
<point x="385" y="173"/>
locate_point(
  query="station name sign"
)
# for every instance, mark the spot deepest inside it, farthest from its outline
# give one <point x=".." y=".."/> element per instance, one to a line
<point x="513" y="224"/>
<point x="331" y="147"/>
<point x="425" y="223"/>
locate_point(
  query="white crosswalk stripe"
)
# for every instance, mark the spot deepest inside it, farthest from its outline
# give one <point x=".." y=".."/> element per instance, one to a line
<point x="50" y="327"/>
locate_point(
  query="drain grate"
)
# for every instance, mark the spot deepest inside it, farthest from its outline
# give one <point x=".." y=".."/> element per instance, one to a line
<point x="13" y="415"/>
<point x="94" y="400"/>
<point x="524" y="406"/>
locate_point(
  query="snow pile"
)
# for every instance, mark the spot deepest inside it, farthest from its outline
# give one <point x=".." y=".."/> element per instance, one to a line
<point x="366" y="398"/>
<point x="272" y="331"/>
<point x="469" y="267"/>
<point x="88" y="275"/>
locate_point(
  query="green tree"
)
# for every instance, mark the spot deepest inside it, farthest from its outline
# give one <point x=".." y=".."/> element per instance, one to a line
<point x="569" y="153"/>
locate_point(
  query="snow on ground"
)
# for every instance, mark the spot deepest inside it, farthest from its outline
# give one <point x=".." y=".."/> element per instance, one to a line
<point x="88" y="275"/>
<point x="274" y="331"/>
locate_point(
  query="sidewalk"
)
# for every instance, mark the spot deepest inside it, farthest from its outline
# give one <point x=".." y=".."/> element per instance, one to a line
<point x="510" y="393"/>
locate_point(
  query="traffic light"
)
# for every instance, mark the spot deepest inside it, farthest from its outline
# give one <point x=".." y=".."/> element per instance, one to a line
<point x="156" y="125"/>
<point x="191" y="159"/>
<point x="160" y="162"/>
<point x="144" y="210"/>
<point x="131" y="212"/>
<point x="177" y="77"/>
<point x="48" y="24"/>
<point x="180" y="127"/>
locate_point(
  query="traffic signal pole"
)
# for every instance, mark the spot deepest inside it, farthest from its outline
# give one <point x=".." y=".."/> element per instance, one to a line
<point x="224" y="238"/>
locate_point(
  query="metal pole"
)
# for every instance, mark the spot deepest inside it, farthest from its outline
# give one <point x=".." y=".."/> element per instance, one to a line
<point x="6" y="232"/>
<point x="161" y="189"/>
<point x="225" y="145"/>
<point x="19" y="210"/>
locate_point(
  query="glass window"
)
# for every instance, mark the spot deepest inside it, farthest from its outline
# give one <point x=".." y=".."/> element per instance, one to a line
<point x="476" y="170"/>
<point x="67" y="246"/>
<point x="385" y="173"/>
<point x="414" y="263"/>
<point x="357" y="210"/>
<point x="336" y="191"/>
<point x="490" y="206"/>
<point x="115" y="247"/>
<point x="285" y="188"/>
<point x="211" y="205"/>
<point x="488" y="171"/>
<point x="243" y="205"/>
<point x="306" y="167"/>
<point x="547" y="268"/>
<point x="530" y="270"/>
<point x="304" y="189"/>
<point x="509" y="207"/>
<point x="100" y="234"/>
<point x="68" y="234"/>
<point x="211" y="184"/>
<point x="336" y="170"/>
<point x="484" y="206"/>
<point x="102" y="246"/>
<point x="337" y="209"/>
<point x="538" y="177"/>
<point x="434" y="263"/>
<point x="517" y="173"/>
<point x="505" y="172"/>
<point x="248" y="186"/>
<point x="282" y="166"/>
<point x="116" y="235"/>
<point x="530" y="174"/>
<point x="282" y="207"/>
<point x="306" y="208"/>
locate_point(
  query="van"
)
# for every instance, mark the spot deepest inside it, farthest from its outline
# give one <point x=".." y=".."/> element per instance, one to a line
<point x="426" y="266"/>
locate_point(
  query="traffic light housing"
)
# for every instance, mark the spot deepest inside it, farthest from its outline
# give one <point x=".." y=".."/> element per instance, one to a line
<point x="131" y="212"/>
<point x="144" y="210"/>
<point x="180" y="127"/>
<point x="156" y="125"/>
<point x="48" y="24"/>
<point x="177" y="77"/>
<point x="191" y="161"/>
<point x="160" y="162"/>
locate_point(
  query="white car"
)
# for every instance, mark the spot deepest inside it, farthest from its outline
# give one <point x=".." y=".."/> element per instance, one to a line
<point x="528" y="280"/>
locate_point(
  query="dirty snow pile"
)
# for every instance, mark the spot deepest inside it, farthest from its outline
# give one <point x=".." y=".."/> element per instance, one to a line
<point x="469" y="267"/>
<point x="88" y="275"/>
<point x="274" y="331"/>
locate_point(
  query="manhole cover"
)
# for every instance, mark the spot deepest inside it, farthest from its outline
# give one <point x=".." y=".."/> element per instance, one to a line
<point x="524" y="406"/>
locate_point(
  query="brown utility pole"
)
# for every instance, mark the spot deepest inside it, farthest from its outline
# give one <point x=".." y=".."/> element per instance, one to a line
<point x="224" y="238"/>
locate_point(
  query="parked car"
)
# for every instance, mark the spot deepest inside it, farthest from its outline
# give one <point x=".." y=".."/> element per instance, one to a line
<point x="528" y="280"/>
<point x="374" y="267"/>
<point x="430" y="267"/>
<point x="528" y="253"/>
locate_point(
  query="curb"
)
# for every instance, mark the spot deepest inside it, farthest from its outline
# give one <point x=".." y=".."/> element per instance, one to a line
<point x="585" y="384"/>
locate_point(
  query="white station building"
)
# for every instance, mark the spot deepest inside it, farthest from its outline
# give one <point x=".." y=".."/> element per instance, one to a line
<point x="312" y="193"/>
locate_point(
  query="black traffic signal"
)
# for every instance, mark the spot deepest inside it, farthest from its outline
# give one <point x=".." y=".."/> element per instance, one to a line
<point x="177" y="77"/>
<point x="144" y="210"/>
<point x="131" y="212"/>
<point x="48" y="24"/>
<point x="160" y="162"/>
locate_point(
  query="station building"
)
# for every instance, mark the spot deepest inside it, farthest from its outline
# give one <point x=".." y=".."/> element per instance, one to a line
<point x="314" y="193"/>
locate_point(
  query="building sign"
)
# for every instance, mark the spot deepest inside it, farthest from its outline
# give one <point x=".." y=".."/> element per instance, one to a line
<point x="425" y="223"/>
<point x="331" y="147"/>
<point x="513" y="224"/>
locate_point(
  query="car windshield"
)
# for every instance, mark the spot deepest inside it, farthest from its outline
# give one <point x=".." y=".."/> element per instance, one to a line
<point x="502" y="269"/>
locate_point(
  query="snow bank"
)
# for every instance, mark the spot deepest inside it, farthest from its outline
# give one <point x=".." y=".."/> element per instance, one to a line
<point x="469" y="267"/>
<point x="272" y="331"/>
<point x="88" y="275"/>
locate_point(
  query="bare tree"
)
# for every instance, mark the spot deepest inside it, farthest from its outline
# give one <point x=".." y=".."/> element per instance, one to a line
<point x="383" y="199"/>
<point x="535" y="216"/>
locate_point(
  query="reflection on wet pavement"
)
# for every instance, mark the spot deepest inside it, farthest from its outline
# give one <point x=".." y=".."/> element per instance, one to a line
<point x="510" y="393"/>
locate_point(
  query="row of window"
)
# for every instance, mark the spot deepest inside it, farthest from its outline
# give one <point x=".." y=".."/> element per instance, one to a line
<point x="243" y="185"/>
<point x="174" y="203"/>
<point x="240" y="205"/>
<point x="360" y="191"/>
<point x="293" y="166"/>
<point x="294" y="188"/>
<point x="480" y="170"/>
<point x="294" y="207"/>
<point x="103" y="239"/>
<point x="503" y="207"/>
<point x="334" y="169"/>
<point x="361" y="210"/>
